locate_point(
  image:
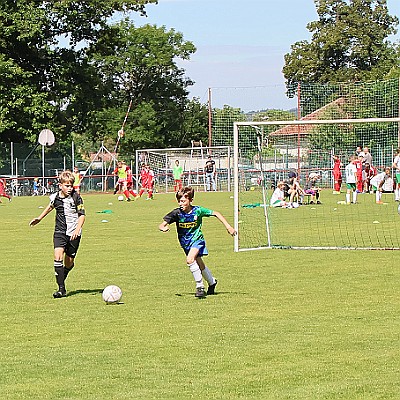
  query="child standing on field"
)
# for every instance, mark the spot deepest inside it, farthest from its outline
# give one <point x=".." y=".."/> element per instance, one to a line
<point x="188" y="219"/>
<point x="337" y="174"/>
<point x="77" y="180"/>
<point x="177" y="173"/>
<point x="70" y="217"/>
<point x="351" y="180"/>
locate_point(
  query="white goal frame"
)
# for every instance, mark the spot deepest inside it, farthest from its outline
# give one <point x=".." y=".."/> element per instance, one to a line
<point x="193" y="160"/>
<point x="237" y="125"/>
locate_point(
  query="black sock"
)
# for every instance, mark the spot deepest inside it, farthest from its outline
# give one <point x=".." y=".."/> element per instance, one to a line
<point x="67" y="271"/>
<point x="59" y="273"/>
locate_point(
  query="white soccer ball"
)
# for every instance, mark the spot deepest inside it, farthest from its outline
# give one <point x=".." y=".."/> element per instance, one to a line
<point x="121" y="198"/>
<point x="112" y="294"/>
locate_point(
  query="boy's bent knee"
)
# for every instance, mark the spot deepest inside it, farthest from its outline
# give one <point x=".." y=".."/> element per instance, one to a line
<point x="190" y="260"/>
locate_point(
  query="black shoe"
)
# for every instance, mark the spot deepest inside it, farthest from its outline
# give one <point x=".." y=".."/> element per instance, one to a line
<point x="200" y="293"/>
<point x="318" y="202"/>
<point x="59" y="294"/>
<point x="311" y="202"/>
<point x="211" y="288"/>
<point x="128" y="199"/>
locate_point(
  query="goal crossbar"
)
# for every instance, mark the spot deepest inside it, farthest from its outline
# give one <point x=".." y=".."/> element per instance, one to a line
<point x="318" y="121"/>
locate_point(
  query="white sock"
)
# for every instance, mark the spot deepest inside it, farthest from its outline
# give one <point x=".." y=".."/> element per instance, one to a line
<point x="347" y="197"/>
<point x="354" y="197"/>
<point x="195" y="270"/>
<point x="207" y="275"/>
<point x="378" y="195"/>
<point x="396" y="194"/>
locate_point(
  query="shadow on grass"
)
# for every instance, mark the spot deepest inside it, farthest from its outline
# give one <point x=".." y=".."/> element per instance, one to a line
<point x="210" y="295"/>
<point x="85" y="291"/>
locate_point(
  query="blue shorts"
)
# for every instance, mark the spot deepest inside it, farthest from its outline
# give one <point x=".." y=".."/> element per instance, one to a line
<point x="201" y="245"/>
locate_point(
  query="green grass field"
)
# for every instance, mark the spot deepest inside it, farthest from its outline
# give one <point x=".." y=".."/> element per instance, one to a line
<point x="284" y="324"/>
<point x="331" y="225"/>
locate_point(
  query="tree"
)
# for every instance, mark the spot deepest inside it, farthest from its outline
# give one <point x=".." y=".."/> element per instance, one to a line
<point x="139" y="65"/>
<point x="349" y="43"/>
<point x="195" y="123"/>
<point x="43" y="82"/>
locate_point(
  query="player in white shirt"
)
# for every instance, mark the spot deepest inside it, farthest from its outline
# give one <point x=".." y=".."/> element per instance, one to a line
<point x="377" y="183"/>
<point x="351" y="180"/>
<point x="278" y="197"/>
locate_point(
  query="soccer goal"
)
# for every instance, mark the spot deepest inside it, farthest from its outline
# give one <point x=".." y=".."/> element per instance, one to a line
<point x="192" y="160"/>
<point x="266" y="152"/>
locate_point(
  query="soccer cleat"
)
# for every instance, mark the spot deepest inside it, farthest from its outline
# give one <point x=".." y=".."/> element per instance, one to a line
<point x="200" y="293"/>
<point x="211" y="288"/>
<point x="59" y="294"/>
<point x="379" y="202"/>
<point x="318" y="202"/>
<point x="128" y="199"/>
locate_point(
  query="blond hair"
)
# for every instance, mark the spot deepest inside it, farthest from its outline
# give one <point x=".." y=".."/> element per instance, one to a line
<point x="66" y="177"/>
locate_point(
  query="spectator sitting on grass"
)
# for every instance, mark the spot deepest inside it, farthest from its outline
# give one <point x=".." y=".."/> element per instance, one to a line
<point x="278" y="197"/>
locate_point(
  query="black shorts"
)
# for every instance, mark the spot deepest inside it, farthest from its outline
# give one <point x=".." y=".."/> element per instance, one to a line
<point x="70" y="246"/>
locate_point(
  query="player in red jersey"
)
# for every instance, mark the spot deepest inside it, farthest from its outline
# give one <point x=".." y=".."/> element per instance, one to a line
<point x="368" y="173"/>
<point x="146" y="181"/>
<point x="3" y="192"/>
<point x="129" y="182"/>
<point x="337" y="174"/>
<point x="359" y="165"/>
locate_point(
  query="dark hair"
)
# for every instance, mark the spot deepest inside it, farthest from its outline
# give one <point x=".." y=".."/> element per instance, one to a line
<point x="187" y="191"/>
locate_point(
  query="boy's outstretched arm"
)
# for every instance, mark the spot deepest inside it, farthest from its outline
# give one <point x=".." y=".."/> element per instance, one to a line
<point x="163" y="227"/>
<point x="225" y="222"/>
<point x="46" y="211"/>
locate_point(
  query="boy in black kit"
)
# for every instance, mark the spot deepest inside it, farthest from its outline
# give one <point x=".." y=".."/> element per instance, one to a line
<point x="70" y="217"/>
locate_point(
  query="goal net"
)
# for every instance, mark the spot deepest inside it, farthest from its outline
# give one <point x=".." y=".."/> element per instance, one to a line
<point x="321" y="215"/>
<point x="192" y="160"/>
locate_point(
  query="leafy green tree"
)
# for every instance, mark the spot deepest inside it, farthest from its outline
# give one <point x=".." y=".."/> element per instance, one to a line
<point x="139" y="65"/>
<point x="195" y="123"/>
<point x="349" y="43"/>
<point x="43" y="82"/>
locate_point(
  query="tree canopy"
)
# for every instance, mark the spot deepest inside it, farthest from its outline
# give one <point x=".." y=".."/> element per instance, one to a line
<point x="64" y="66"/>
<point x="349" y="43"/>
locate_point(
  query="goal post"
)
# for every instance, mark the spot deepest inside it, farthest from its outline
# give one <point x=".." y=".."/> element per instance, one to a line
<point x="265" y="152"/>
<point x="192" y="160"/>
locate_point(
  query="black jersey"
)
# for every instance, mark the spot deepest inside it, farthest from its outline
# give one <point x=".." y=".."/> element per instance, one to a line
<point x="210" y="166"/>
<point x="68" y="210"/>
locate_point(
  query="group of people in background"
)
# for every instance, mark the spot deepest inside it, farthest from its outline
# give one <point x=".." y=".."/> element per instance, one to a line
<point x="290" y="194"/>
<point x="360" y="176"/>
<point x="125" y="181"/>
<point x="363" y="177"/>
<point x="147" y="179"/>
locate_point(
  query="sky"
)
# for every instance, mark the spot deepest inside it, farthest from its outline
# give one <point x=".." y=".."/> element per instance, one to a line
<point x="240" y="46"/>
